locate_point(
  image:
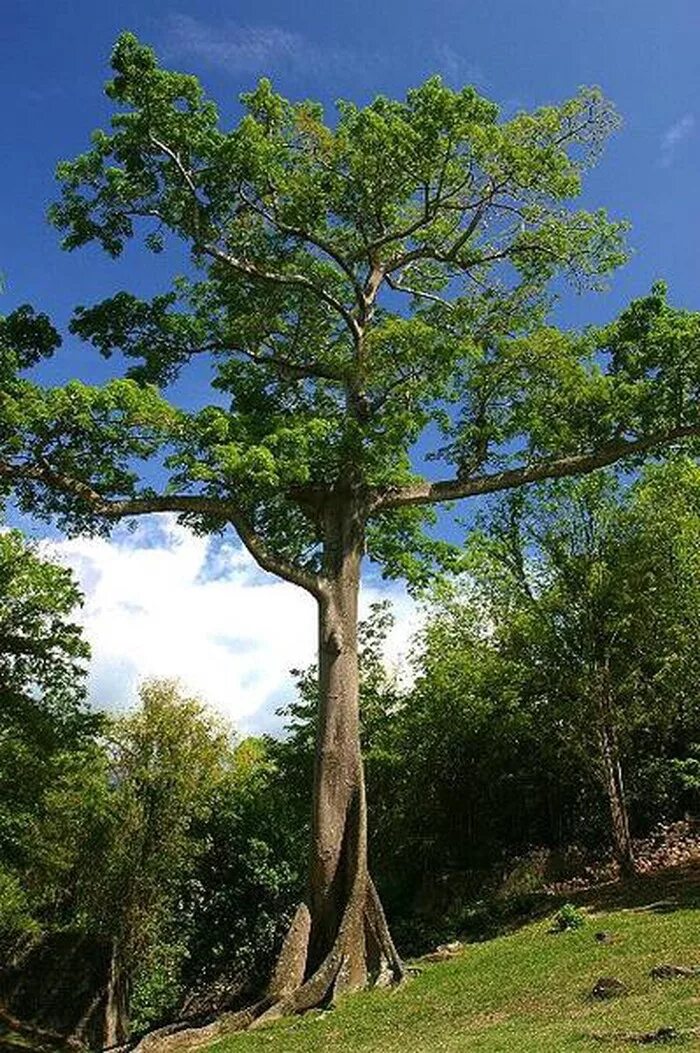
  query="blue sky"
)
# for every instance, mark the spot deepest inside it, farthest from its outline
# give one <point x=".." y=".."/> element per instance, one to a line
<point x="54" y="60"/>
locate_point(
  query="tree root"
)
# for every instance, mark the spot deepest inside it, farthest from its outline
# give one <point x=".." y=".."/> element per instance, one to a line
<point x="362" y="955"/>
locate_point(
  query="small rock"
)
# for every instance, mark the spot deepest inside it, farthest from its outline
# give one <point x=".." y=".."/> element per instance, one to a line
<point x="604" y="937"/>
<point x="664" y="1034"/>
<point x="672" y="972"/>
<point x="608" y="987"/>
<point x="443" y="952"/>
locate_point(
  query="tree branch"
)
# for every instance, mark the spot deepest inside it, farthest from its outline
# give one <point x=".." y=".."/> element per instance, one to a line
<point x="298" y="370"/>
<point x="270" y="561"/>
<point x="253" y="270"/>
<point x="425" y="492"/>
<point x="194" y="504"/>
<point x="418" y="293"/>
<point x="313" y="239"/>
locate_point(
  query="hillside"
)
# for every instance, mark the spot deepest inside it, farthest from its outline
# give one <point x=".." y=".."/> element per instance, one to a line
<point x="530" y="990"/>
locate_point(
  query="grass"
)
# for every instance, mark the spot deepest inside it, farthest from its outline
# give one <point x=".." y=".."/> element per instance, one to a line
<point x="527" y="992"/>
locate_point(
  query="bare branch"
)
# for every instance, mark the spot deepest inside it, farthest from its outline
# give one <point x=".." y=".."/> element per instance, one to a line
<point x="418" y="293"/>
<point x="177" y="161"/>
<point x="425" y="492"/>
<point x="306" y="235"/>
<point x="254" y="270"/>
<point x="298" y="370"/>
<point x="114" y="509"/>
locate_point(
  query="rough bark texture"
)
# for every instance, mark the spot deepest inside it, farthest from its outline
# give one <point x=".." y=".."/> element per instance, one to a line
<point x="339" y="939"/>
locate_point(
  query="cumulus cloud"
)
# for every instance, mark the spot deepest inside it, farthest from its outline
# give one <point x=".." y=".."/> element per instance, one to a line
<point x="160" y="601"/>
<point x="673" y="138"/>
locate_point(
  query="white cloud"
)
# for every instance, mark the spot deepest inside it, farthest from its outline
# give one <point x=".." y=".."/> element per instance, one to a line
<point x="162" y="602"/>
<point x="456" y="69"/>
<point x="674" y="136"/>
<point x="257" y="49"/>
<point x="271" y="50"/>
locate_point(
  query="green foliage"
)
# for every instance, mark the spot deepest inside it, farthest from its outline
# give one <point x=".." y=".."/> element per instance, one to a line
<point x="25" y="338"/>
<point x="166" y="760"/>
<point x="16" y="918"/>
<point x="157" y="987"/>
<point x="568" y="918"/>
<point x="42" y="650"/>
<point x="494" y="745"/>
<point x="588" y="577"/>
<point x="44" y="727"/>
<point x="357" y="285"/>
<point x="356" y="282"/>
<point x="247" y="879"/>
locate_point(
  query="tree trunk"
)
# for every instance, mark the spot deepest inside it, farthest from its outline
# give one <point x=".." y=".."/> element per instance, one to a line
<point x="339" y="939"/>
<point x="612" y="775"/>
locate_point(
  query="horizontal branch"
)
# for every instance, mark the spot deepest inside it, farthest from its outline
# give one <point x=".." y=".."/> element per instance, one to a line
<point x="192" y="504"/>
<point x="425" y="492"/>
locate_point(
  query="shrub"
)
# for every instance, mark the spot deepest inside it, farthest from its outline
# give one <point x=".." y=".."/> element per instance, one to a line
<point x="567" y="918"/>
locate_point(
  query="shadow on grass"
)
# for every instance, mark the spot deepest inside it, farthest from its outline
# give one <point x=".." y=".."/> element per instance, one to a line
<point x="661" y="892"/>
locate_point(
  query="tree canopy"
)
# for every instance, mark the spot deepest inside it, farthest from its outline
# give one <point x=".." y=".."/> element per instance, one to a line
<point x="354" y="284"/>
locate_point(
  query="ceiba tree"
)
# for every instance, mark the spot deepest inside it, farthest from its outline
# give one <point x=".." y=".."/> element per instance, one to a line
<point x="361" y="292"/>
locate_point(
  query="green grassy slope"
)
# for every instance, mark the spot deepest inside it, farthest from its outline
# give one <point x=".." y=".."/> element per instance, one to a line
<point x="527" y="992"/>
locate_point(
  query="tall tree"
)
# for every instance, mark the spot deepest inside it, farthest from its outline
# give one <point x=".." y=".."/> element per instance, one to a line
<point x="43" y="662"/>
<point x="167" y="760"/>
<point x="45" y="728"/>
<point x="353" y="286"/>
<point x="593" y="587"/>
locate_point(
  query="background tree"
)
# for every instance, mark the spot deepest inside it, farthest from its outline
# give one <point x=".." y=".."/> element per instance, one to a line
<point x="44" y="726"/>
<point x="239" y="899"/>
<point x="165" y="762"/>
<point x="573" y="581"/>
<point x="608" y="599"/>
<point x="353" y="286"/>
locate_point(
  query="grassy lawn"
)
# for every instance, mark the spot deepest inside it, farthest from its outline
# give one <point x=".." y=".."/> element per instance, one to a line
<point x="527" y="991"/>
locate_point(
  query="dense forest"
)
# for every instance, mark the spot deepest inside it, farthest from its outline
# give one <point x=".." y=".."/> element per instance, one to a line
<point x="367" y="317"/>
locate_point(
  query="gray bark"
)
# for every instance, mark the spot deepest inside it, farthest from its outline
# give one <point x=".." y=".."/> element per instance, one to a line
<point x="612" y="773"/>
